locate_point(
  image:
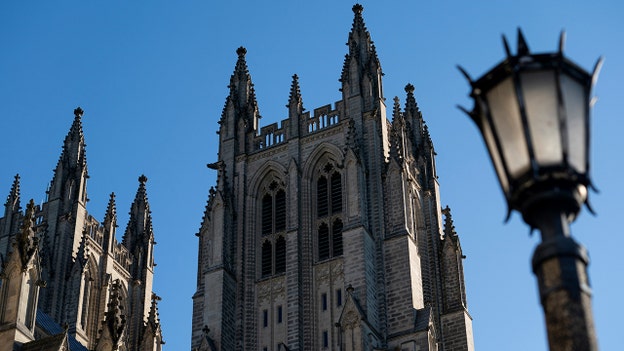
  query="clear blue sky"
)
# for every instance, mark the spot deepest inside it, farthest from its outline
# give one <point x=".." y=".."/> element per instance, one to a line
<point x="152" y="78"/>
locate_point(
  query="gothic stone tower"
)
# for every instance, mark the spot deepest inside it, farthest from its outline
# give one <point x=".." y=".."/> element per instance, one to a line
<point x="85" y="279"/>
<point x="327" y="233"/>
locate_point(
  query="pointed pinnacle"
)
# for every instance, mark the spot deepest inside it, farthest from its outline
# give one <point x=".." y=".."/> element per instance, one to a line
<point x="295" y="91"/>
<point x="13" y="199"/>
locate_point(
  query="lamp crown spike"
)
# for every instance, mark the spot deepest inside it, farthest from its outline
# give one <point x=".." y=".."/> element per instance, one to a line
<point x="506" y="46"/>
<point x="465" y="74"/>
<point x="523" y="48"/>
<point x="562" y="39"/>
<point x="597" y="68"/>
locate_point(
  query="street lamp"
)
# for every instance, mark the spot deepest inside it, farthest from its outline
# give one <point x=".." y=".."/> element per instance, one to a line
<point x="533" y="113"/>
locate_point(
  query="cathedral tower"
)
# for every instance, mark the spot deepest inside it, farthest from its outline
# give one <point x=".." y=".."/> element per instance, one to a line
<point x="326" y="231"/>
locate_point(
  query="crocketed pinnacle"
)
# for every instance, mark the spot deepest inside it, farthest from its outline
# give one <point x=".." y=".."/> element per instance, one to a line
<point x="295" y="99"/>
<point x="72" y="163"/>
<point x="111" y="211"/>
<point x="449" y="227"/>
<point x="397" y="133"/>
<point x="152" y="317"/>
<point x="115" y="319"/>
<point x="360" y="45"/>
<point x="242" y="92"/>
<point x="13" y="199"/>
<point x="411" y="107"/>
<point x="74" y="145"/>
<point x="25" y="242"/>
<point x="139" y="228"/>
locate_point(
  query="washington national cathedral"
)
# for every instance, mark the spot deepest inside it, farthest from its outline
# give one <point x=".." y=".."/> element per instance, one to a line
<point x="323" y="232"/>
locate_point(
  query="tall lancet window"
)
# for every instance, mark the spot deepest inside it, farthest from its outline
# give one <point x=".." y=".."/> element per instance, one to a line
<point x="86" y="292"/>
<point x="272" y="228"/>
<point x="329" y="213"/>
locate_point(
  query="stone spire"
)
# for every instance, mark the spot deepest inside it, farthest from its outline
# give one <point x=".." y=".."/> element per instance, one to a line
<point x="295" y="108"/>
<point x="12" y="203"/>
<point x="139" y="229"/>
<point x="397" y="149"/>
<point x="110" y="225"/>
<point x="74" y="145"/>
<point x="295" y="100"/>
<point x="242" y="96"/>
<point x="361" y="61"/>
<point x="110" y="218"/>
<point x="414" y="116"/>
<point x="72" y="164"/>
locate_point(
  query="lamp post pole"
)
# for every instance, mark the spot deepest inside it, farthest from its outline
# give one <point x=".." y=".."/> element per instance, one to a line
<point x="533" y="113"/>
<point x="560" y="266"/>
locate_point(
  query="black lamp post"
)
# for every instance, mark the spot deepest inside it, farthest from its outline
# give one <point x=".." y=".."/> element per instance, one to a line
<point x="533" y="113"/>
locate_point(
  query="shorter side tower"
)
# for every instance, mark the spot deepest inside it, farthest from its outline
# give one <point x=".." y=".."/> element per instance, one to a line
<point x="86" y="270"/>
<point x="20" y="280"/>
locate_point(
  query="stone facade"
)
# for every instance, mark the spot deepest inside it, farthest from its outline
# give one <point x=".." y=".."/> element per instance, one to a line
<point x="326" y="232"/>
<point x="60" y="266"/>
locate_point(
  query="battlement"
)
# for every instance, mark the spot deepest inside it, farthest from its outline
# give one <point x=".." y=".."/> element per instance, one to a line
<point x="322" y="118"/>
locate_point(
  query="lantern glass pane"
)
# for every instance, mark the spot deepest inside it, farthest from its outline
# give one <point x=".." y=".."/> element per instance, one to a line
<point x="541" y="106"/>
<point x="575" y="101"/>
<point x="495" y="155"/>
<point x="508" y="126"/>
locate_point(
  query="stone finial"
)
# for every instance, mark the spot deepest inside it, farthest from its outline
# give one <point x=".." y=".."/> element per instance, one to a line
<point x="409" y="88"/>
<point x="357" y="9"/>
<point x="78" y="112"/>
<point x="142" y="179"/>
<point x="241" y="51"/>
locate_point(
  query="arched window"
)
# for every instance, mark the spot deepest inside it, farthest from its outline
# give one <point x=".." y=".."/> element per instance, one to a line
<point x="329" y="213"/>
<point x="280" y="255"/>
<point x="273" y="210"/>
<point x="323" y="241"/>
<point x="272" y="228"/>
<point x="337" y="238"/>
<point x="267" y="259"/>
